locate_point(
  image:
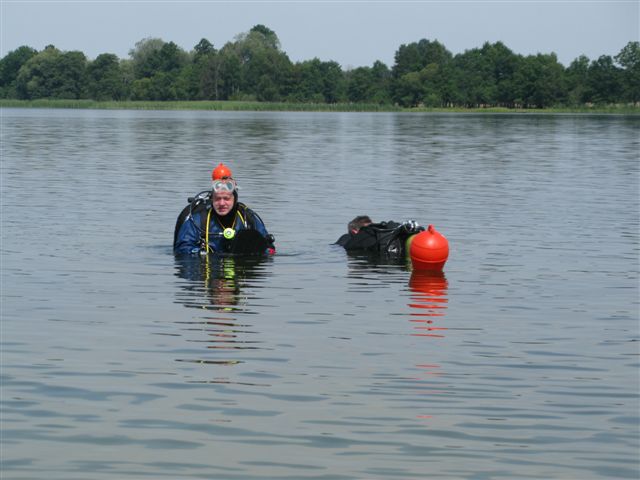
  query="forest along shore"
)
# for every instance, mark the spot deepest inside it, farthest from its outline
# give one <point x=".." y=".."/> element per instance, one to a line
<point x="254" y="68"/>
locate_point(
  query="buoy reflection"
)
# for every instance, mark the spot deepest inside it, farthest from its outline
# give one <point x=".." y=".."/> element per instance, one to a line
<point x="428" y="302"/>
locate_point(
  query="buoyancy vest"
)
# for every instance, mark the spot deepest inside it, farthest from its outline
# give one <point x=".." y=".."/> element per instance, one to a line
<point x="209" y="225"/>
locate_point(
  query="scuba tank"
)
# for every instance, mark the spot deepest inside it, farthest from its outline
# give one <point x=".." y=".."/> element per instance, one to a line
<point x="196" y="203"/>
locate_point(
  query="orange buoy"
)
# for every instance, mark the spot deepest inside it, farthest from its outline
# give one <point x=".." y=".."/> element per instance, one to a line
<point x="429" y="250"/>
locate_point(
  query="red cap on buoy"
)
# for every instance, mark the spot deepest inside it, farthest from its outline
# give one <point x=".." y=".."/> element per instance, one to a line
<point x="220" y="172"/>
<point x="429" y="250"/>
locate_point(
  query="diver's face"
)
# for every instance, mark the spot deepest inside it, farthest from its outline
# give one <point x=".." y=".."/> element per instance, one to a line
<point x="222" y="202"/>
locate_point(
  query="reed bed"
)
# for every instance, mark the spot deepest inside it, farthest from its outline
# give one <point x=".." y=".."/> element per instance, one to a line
<point x="198" y="105"/>
<point x="292" y="107"/>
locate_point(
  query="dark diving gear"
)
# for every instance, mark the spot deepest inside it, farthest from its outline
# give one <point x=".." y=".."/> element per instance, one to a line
<point x="387" y="238"/>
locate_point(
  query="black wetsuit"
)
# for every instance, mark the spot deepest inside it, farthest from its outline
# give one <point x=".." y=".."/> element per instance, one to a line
<point x="384" y="237"/>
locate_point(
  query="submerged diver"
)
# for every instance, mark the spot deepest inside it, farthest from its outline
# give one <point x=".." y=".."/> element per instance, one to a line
<point x="216" y="222"/>
<point x="388" y="238"/>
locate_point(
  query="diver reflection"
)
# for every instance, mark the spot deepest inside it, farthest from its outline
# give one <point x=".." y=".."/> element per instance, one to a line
<point x="363" y="260"/>
<point x="371" y="270"/>
<point x="214" y="286"/>
<point x="429" y="301"/>
<point x="428" y="297"/>
<point x="216" y="282"/>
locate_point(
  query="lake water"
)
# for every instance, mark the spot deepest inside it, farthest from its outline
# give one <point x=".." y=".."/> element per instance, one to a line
<point x="121" y="361"/>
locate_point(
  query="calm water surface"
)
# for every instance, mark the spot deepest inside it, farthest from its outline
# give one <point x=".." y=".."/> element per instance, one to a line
<point x="121" y="361"/>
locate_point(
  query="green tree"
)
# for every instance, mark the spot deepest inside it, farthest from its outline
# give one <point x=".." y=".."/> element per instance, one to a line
<point x="629" y="59"/>
<point x="540" y="81"/>
<point x="162" y="63"/>
<point x="229" y="73"/>
<point x="105" y="78"/>
<point x="359" y="82"/>
<point x="604" y="80"/>
<point x="419" y="74"/>
<point x="9" y="68"/>
<point x="204" y="47"/>
<point x="268" y="37"/>
<point x="307" y="82"/>
<point x="128" y="76"/>
<point x="202" y="77"/>
<point x="483" y="77"/>
<point x="319" y="82"/>
<point x="171" y="58"/>
<point x="265" y="70"/>
<point x="416" y="56"/>
<point x="72" y="75"/>
<point x="474" y="79"/>
<point x="380" y="91"/>
<point x="34" y="77"/>
<point x="503" y="64"/>
<point x="369" y="84"/>
<point x="163" y="86"/>
<point x="145" y="56"/>
<point x="334" y="85"/>
<point x="448" y="89"/>
<point x="53" y="74"/>
<point x="141" y="89"/>
<point x="577" y="81"/>
<point x="187" y="83"/>
<point x="431" y="79"/>
<point x="184" y="84"/>
<point x="209" y="79"/>
<point x="409" y="89"/>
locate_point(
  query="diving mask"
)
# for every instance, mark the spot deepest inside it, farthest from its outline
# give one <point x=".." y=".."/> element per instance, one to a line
<point x="226" y="185"/>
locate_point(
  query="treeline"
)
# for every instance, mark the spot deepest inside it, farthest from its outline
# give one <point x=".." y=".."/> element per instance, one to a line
<point x="253" y="67"/>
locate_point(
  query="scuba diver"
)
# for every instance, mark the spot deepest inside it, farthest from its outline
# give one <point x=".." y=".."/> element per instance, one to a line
<point x="388" y="238"/>
<point x="216" y="222"/>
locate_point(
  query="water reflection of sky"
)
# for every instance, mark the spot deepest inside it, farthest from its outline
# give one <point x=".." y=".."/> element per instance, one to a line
<point x="520" y="363"/>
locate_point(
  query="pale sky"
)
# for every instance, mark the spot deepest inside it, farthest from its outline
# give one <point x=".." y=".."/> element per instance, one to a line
<point x="352" y="33"/>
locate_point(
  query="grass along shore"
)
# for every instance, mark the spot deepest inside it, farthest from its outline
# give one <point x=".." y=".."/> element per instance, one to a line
<point x="293" y="107"/>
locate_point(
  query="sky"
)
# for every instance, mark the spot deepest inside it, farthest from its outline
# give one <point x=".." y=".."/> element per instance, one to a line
<point x="353" y="33"/>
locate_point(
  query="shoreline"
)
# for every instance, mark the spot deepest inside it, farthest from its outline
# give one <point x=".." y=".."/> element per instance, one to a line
<point x="219" y="105"/>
